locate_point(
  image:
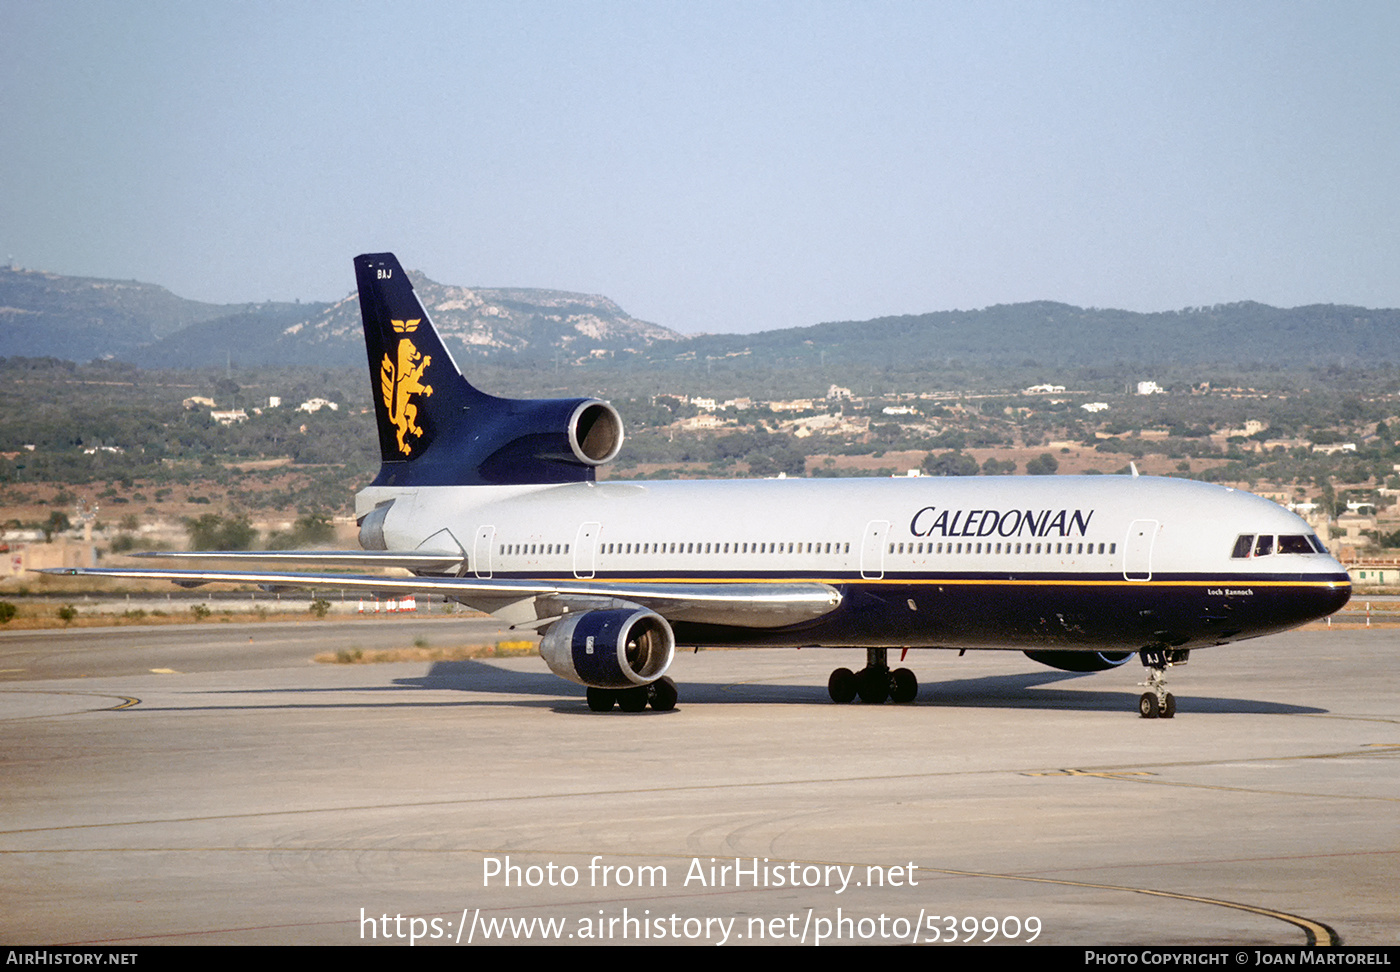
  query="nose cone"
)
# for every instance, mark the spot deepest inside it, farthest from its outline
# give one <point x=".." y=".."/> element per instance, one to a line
<point x="1327" y="598"/>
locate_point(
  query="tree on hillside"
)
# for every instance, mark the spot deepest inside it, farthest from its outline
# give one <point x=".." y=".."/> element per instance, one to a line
<point x="949" y="464"/>
<point x="214" y="532"/>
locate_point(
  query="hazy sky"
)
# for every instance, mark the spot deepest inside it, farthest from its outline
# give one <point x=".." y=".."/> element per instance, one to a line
<point x="714" y="166"/>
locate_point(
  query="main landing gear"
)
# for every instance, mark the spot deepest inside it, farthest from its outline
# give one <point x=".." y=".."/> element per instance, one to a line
<point x="874" y="683"/>
<point x="1157" y="702"/>
<point x="661" y="695"/>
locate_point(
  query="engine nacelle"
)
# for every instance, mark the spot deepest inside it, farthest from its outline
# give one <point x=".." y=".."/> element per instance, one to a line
<point x="1081" y="661"/>
<point x="542" y="441"/>
<point x="595" y="432"/>
<point x="613" y="649"/>
<point x="493" y="441"/>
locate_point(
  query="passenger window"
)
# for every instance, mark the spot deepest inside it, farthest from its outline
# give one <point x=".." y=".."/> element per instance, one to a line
<point x="1243" y="543"/>
<point x="1264" y="546"/>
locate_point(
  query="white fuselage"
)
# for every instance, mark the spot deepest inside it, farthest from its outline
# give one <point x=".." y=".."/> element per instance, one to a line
<point x="1008" y="545"/>
<point x="846" y="527"/>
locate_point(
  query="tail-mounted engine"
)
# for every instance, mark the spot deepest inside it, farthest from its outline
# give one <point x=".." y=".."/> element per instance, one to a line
<point x="595" y="432"/>
<point x="614" y="649"/>
<point x="514" y="440"/>
<point x="436" y="429"/>
<point x="1080" y="661"/>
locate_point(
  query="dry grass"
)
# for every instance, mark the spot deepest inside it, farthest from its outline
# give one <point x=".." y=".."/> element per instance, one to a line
<point x="41" y="618"/>
<point x="426" y="653"/>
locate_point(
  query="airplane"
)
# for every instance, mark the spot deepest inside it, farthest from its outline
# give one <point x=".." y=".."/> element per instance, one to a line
<point x="494" y="503"/>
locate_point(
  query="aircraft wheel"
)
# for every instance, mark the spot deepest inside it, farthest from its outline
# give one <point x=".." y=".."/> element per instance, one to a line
<point x="841" y="686"/>
<point x="873" y="685"/>
<point x="600" y="699"/>
<point x="1147" y="705"/>
<point x="633" y="699"/>
<point x="904" y="685"/>
<point x="662" y="694"/>
<point x="1169" y="706"/>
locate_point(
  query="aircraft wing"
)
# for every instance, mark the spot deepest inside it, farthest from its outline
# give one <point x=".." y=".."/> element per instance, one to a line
<point x="538" y="603"/>
<point x="436" y="561"/>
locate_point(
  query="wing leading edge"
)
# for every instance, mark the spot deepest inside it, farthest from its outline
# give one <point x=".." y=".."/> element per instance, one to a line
<point x="433" y="561"/>
<point x="534" y="603"/>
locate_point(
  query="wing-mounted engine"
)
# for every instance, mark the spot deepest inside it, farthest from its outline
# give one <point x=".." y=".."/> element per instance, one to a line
<point x="1080" y="661"/>
<point x="613" y="649"/>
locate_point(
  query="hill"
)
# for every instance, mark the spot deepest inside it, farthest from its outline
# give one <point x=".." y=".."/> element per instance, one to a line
<point x="80" y="319"/>
<point x="1049" y="334"/>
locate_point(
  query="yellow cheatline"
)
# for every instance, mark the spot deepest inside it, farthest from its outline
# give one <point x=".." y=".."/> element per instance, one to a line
<point x="939" y="581"/>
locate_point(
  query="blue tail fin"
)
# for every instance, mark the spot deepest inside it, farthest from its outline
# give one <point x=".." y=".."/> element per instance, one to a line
<point x="435" y="429"/>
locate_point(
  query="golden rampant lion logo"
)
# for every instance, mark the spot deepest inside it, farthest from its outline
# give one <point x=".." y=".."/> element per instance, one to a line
<point x="398" y="380"/>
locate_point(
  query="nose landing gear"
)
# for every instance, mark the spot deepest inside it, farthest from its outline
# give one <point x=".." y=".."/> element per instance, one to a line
<point x="1157" y="702"/>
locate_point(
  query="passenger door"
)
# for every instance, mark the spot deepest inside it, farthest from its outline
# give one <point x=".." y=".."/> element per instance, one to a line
<point x="872" y="549"/>
<point x="1137" y="550"/>
<point x="586" y="550"/>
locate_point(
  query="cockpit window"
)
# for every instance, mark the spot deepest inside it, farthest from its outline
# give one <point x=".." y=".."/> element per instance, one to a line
<point x="1248" y="545"/>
